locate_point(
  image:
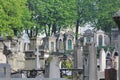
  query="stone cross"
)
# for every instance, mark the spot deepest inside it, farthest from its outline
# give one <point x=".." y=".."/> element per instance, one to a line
<point x="37" y="61"/>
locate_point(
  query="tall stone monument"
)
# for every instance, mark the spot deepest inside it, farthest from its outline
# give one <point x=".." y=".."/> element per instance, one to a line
<point x="92" y="62"/>
<point x="85" y="63"/>
<point x="79" y="57"/>
<point x="102" y="60"/>
<point x="108" y="60"/>
<point x="89" y="59"/>
<point x="116" y="18"/>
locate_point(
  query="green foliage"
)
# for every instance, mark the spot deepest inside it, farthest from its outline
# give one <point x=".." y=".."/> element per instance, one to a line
<point x="14" y="16"/>
<point x="53" y="14"/>
<point x="69" y="51"/>
<point x="102" y="12"/>
<point x="67" y="64"/>
<point x="49" y="59"/>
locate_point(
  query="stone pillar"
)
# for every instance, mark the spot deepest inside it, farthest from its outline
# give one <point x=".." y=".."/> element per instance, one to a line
<point x="86" y="63"/>
<point x="54" y="68"/>
<point x="79" y="57"/>
<point x="116" y="18"/>
<point x="119" y="56"/>
<point x="92" y="62"/>
<point x="37" y="61"/>
<point x="102" y="60"/>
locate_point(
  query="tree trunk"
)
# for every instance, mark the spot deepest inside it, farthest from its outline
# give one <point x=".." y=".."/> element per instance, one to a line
<point x="45" y="31"/>
<point x="49" y="25"/>
<point x="76" y="34"/>
<point x="54" y="28"/>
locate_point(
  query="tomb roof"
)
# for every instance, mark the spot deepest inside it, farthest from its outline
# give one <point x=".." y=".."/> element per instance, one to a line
<point x="100" y="31"/>
<point x="88" y="32"/>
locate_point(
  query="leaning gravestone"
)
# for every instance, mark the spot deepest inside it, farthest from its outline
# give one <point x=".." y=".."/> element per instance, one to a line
<point x="5" y="71"/>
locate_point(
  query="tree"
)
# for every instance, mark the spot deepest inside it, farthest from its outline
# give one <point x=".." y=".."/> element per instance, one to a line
<point x="83" y="14"/>
<point x="97" y="13"/>
<point x="102" y="12"/>
<point x="52" y="15"/>
<point x="14" y="17"/>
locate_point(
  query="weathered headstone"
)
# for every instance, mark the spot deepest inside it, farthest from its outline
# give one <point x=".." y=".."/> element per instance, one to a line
<point x="115" y="57"/>
<point x="79" y="57"/>
<point x="54" y="68"/>
<point x="92" y="62"/>
<point x="5" y="71"/>
<point x="102" y="60"/>
<point x="108" y="59"/>
<point x="85" y="62"/>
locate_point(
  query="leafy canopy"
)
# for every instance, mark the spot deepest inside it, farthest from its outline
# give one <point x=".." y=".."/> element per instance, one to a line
<point x="14" y="16"/>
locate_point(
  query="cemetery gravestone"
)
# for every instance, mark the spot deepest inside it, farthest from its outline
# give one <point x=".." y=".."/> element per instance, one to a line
<point x="102" y="60"/>
<point x="92" y="62"/>
<point x="85" y="62"/>
<point x="5" y="71"/>
<point x="54" y="68"/>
